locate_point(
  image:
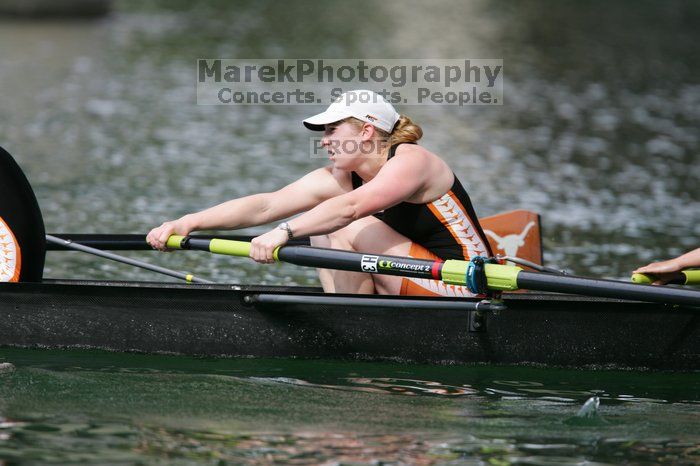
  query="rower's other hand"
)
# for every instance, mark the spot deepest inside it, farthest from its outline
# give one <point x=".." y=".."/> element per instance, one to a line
<point x="158" y="237"/>
<point x="263" y="247"/>
<point x="664" y="272"/>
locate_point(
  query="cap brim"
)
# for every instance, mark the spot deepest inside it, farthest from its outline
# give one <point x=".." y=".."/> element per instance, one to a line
<point x="319" y="122"/>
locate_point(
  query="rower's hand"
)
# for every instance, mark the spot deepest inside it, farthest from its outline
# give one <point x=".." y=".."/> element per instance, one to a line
<point x="664" y="272"/>
<point x="158" y="237"/>
<point x="263" y="247"/>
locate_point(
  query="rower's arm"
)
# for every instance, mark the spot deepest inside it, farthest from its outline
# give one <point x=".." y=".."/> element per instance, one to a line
<point x="259" y="209"/>
<point x="690" y="259"/>
<point x="397" y="181"/>
<point x="254" y="210"/>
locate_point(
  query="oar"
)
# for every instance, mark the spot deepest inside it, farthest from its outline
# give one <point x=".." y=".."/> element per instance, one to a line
<point x="133" y="242"/>
<point x="125" y="260"/>
<point x="687" y="277"/>
<point x="476" y="275"/>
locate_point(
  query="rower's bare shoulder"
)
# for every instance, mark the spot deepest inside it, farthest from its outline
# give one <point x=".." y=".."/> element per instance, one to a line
<point x="417" y="156"/>
<point x="321" y="184"/>
<point x="415" y="152"/>
<point x="342" y="178"/>
<point x="428" y="169"/>
<point x="329" y="174"/>
<point x="412" y="149"/>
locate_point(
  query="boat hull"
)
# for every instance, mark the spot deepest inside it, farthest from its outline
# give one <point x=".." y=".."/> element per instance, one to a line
<point x="259" y="321"/>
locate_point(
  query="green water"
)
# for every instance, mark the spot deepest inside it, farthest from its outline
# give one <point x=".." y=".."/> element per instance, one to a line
<point x="72" y="406"/>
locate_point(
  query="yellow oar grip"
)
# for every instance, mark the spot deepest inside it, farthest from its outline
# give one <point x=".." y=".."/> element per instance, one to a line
<point x="692" y="277"/>
<point x="229" y="247"/>
<point x="174" y="242"/>
<point x="220" y="246"/>
<point x="642" y="279"/>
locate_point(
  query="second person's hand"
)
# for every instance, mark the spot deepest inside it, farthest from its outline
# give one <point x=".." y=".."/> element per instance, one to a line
<point x="663" y="272"/>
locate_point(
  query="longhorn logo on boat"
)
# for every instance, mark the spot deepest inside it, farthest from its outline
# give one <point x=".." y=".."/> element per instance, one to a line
<point x="10" y="257"/>
<point x="511" y="243"/>
<point x="369" y="263"/>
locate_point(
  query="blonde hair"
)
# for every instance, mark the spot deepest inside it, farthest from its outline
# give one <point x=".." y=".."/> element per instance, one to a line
<point x="404" y="130"/>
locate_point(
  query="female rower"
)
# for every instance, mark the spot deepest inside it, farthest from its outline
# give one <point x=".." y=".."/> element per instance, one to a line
<point x="670" y="270"/>
<point x="382" y="194"/>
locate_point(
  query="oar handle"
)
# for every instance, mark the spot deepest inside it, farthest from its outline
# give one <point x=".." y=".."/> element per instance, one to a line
<point x="690" y="277"/>
<point x="478" y="275"/>
<point x="216" y="246"/>
<point x="137" y="241"/>
<point x="455" y="272"/>
<point x="451" y="271"/>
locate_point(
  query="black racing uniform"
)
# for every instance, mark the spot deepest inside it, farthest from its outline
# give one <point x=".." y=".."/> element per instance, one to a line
<point x="447" y="227"/>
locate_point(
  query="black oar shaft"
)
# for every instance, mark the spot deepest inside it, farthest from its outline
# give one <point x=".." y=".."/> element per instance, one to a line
<point x="104" y="242"/>
<point x="132" y="242"/>
<point x="125" y="260"/>
<point x="495" y="276"/>
<point x="607" y="288"/>
<point x="321" y="257"/>
<point x="358" y="262"/>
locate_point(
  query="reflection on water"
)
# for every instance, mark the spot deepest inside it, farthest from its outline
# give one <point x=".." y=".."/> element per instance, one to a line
<point x="599" y="130"/>
<point x="387" y="385"/>
<point x="72" y="406"/>
<point x="166" y="446"/>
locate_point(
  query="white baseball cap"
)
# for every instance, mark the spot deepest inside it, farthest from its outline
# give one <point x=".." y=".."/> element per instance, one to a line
<point x="362" y="104"/>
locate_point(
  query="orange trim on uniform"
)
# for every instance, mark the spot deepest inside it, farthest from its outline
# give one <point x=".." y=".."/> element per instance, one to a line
<point x="444" y="221"/>
<point x="451" y="227"/>
<point x="476" y="230"/>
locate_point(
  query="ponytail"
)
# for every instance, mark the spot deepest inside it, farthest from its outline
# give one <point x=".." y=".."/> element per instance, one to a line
<point x="404" y="131"/>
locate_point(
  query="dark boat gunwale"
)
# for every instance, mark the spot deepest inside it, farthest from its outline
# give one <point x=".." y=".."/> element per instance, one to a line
<point x="215" y="320"/>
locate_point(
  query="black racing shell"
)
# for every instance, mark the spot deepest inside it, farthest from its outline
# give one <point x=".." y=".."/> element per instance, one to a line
<point x="447" y="227"/>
